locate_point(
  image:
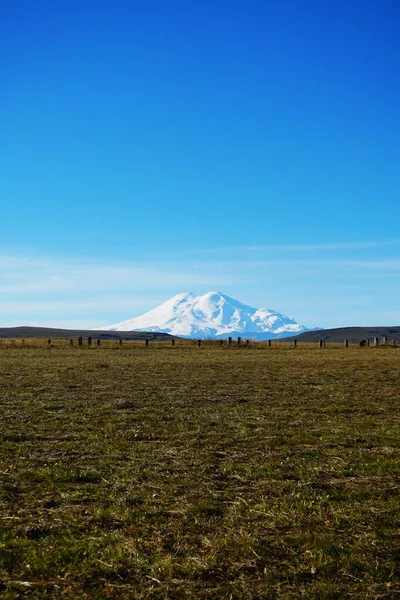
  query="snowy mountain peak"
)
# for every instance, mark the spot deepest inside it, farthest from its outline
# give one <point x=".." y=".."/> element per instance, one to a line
<point x="213" y="315"/>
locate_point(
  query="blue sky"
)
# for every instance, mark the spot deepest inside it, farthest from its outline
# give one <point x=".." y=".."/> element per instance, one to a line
<point x="152" y="147"/>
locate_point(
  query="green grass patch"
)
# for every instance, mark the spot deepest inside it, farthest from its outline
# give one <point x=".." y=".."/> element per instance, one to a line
<point x="213" y="472"/>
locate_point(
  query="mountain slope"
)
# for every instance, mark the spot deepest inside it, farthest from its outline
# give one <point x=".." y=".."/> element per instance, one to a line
<point x="213" y="315"/>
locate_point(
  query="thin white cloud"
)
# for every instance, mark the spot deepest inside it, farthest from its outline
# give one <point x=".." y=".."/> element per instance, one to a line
<point x="20" y="275"/>
<point x="364" y="264"/>
<point x="301" y="247"/>
<point x="91" y="305"/>
<point x="61" y="290"/>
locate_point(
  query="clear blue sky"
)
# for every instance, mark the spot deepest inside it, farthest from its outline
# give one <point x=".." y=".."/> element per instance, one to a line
<point x="151" y="147"/>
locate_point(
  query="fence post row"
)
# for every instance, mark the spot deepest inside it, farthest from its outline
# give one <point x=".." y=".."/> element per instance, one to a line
<point x="321" y="343"/>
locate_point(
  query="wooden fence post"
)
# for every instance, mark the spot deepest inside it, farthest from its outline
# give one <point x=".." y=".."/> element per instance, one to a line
<point x="199" y="343"/>
<point x="221" y="342"/>
<point x="89" y="340"/>
<point x="120" y="342"/>
<point x="172" y="343"/>
<point x="98" y="342"/>
<point x="269" y="343"/>
<point x="294" y="343"/>
<point x="229" y="341"/>
<point x="80" y="340"/>
<point x="321" y="343"/>
<point x="346" y="343"/>
<point x="146" y="343"/>
<point x="239" y="341"/>
<point x="376" y="341"/>
<point x="71" y="342"/>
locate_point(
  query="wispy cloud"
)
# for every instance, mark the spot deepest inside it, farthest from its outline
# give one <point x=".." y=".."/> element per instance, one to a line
<point x="93" y="291"/>
<point x="19" y="275"/>
<point x="317" y="290"/>
<point x="365" y="245"/>
<point x="392" y="265"/>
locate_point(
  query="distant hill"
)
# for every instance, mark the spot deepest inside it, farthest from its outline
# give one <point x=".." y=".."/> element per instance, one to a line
<point x="353" y="334"/>
<point x="48" y="332"/>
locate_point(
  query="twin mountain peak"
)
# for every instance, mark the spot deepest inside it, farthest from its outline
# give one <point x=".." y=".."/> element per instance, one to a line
<point x="211" y="316"/>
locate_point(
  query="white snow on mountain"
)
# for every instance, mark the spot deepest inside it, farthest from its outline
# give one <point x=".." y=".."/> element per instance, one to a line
<point x="213" y="315"/>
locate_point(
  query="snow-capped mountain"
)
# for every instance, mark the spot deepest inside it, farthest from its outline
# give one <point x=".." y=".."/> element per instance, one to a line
<point x="213" y="315"/>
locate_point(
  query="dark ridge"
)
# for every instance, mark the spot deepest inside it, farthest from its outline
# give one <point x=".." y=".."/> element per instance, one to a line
<point x="353" y="334"/>
<point x="49" y="332"/>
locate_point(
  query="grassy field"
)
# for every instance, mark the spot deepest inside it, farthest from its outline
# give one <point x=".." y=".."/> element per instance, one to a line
<point x="160" y="472"/>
